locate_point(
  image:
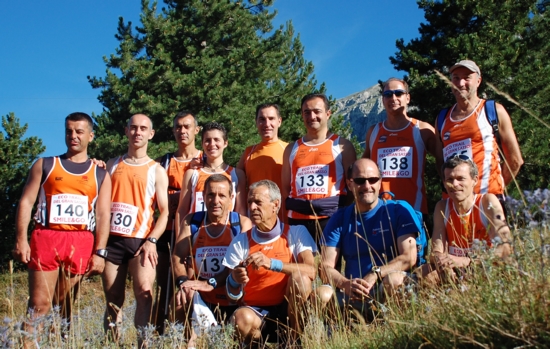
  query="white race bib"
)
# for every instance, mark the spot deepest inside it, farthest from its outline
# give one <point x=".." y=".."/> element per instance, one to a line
<point x="209" y="260"/>
<point x="396" y="162"/>
<point x="199" y="202"/>
<point x="123" y="218"/>
<point x="69" y="209"/>
<point x="463" y="147"/>
<point x="312" y="179"/>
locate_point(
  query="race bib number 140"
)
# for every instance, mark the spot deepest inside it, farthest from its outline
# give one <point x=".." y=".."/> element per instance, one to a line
<point x="69" y="209"/>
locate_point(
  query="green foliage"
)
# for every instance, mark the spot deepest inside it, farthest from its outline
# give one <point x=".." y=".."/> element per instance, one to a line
<point x="16" y="157"/>
<point x="509" y="40"/>
<point x="217" y="58"/>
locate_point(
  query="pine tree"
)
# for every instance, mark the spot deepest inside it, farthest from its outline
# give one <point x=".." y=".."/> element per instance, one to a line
<point x="17" y="154"/>
<point x="509" y="40"/>
<point x="218" y="58"/>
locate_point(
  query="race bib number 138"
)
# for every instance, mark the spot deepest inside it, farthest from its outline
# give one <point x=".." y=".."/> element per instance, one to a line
<point x="396" y="162"/>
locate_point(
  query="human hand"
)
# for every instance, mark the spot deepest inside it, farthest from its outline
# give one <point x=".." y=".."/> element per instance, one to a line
<point x="99" y="163"/>
<point x="258" y="260"/>
<point x="22" y="252"/>
<point x="240" y="274"/>
<point x="96" y="264"/>
<point x="148" y="253"/>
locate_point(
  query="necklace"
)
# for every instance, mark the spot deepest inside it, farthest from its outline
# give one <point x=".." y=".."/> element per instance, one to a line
<point x="215" y="168"/>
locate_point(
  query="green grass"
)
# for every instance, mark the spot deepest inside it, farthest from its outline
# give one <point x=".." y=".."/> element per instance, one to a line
<point x="497" y="306"/>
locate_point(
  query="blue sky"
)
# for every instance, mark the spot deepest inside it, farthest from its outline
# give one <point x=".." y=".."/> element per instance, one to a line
<point x="50" y="47"/>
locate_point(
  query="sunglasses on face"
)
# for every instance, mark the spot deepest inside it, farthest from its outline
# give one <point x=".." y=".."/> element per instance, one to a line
<point x="389" y="93"/>
<point x="461" y="157"/>
<point x="361" y="181"/>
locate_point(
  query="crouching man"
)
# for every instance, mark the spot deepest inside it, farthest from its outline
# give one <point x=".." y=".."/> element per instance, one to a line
<point x="205" y="236"/>
<point x="272" y="269"/>
<point x="463" y="220"/>
<point x="377" y="240"/>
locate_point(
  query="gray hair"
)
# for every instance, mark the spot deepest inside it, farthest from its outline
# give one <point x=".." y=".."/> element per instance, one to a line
<point x="274" y="192"/>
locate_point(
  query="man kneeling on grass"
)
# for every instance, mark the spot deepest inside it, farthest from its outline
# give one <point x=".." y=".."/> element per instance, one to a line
<point x="464" y="220"/>
<point x="205" y="236"/>
<point x="376" y="238"/>
<point x="272" y="268"/>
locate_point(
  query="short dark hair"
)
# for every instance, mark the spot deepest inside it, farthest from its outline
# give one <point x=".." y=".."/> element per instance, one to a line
<point x="398" y="80"/>
<point x="218" y="178"/>
<point x="214" y="126"/>
<point x="183" y="114"/>
<point x="268" y="105"/>
<point x="316" y="95"/>
<point x="80" y="116"/>
<point x="454" y="161"/>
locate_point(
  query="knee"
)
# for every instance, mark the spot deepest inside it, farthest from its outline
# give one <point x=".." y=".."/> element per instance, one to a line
<point x="243" y="319"/>
<point x="299" y="285"/>
<point x="143" y="296"/>
<point x="322" y="295"/>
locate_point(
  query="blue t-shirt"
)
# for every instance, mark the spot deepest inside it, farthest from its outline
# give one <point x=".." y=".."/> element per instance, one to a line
<point x="374" y="227"/>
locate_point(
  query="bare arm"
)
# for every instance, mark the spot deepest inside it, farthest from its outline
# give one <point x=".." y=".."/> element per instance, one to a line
<point x="366" y="153"/>
<point x="406" y="260"/>
<point x="184" y="201"/>
<point x="438" y="150"/>
<point x="430" y="141"/>
<point x="497" y="225"/>
<point x="240" y="195"/>
<point x="510" y="146"/>
<point x="246" y="224"/>
<point x="182" y="249"/>
<point x="305" y="263"/>
<point x="22" y="250"/>
<point x="286" y="176"/>
<point x="103" y="227"/>
<point x="349" y="156"/>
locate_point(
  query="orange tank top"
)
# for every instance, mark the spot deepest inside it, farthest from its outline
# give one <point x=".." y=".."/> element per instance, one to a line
<point x="175" y="169"/>
<point x="473" y="137"/>
<point x="197" y="186"/>
<point x="67" y="200"/>
<point x="316" y="171"/>
<point x="264" y="161"/>
<point x="463" y="229"/>
<point x="266" y="287"/>
<point x="400" y="155"/>
<point x="209" y="252"/>
<point x="132" y="198"/>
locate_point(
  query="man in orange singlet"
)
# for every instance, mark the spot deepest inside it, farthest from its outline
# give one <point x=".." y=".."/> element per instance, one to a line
<point x="466" y="223"/>
<point x="314" y="166"/>
<point x="199" y="251"/>
<point x="272" y="268"/>
<point x="467" y="131"/>
<point x="399" y="145"/>
<point x="185" y="128"/>
<point x="74" y="200"/>
<point x="265" y="159"/>
<point x="138" y="184"/>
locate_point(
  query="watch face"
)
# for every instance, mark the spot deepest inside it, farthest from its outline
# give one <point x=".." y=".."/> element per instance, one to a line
<point x="212" y="282"/>
<point x="153" y="240"/>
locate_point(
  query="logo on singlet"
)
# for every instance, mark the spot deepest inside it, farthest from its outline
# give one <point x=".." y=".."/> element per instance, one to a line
<point x="313" y="149"/>
<point x="382" y="139"/>
<point x="58" y="178"/>
<point x="393" y="134"/>
<point x="447" y="135"/>
<point x="84" y="178"/>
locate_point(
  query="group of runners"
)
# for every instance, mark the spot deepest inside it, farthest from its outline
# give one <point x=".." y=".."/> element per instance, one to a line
<point x="205" y="242"/>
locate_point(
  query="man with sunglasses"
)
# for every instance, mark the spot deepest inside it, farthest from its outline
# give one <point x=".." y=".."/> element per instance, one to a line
<point x="465" y="223"/>
<point x="375" y="237"/>
<point x="313" y="177"/>
<point x="466" y="130"/>
<point x="399" y="145"/>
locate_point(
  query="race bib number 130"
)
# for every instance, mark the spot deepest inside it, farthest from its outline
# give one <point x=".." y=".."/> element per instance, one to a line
<point x="123" y="218"/>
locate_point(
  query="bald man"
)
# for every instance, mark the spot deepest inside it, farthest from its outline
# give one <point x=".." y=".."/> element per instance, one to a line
<point x="139" y="183"/>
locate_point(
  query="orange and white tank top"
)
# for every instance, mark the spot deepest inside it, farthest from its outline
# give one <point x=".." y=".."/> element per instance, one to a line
<point x="266" y="287"/>
<point x="316" y="172"/>
<point x="175" y="169"/>
<point x="132" y="198"/>
<point x="67" y="200"/>
<point x="208" y="252"/>
<point x="473" y="137"/>
<point x="197" y="186"/>
<point x="463" y="229"/>
<point x="400" y="155"/>
<point x="264" y="161"/>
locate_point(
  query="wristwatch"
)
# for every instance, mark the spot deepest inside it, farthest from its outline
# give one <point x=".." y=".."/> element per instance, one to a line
<point x="152" y="240"/>
<point x="378" y="272"/>
<point x="101" y="253"/>
<point x="212" y="282"/>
